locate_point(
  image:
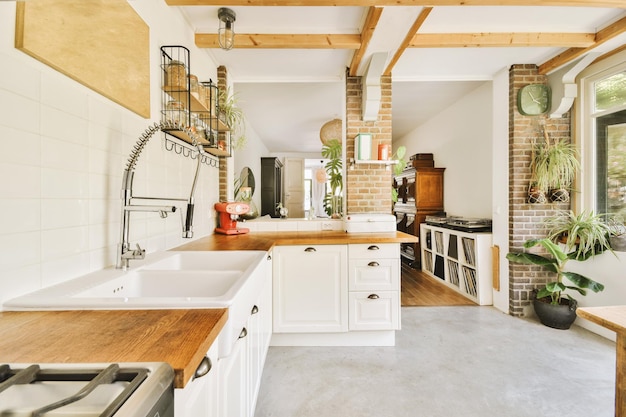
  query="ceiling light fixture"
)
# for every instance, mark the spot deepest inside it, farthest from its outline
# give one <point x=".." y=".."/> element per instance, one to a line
<point x="226" y="32"/>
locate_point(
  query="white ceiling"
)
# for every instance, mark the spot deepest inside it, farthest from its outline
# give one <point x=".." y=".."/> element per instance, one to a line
<point x="288" y="94"/>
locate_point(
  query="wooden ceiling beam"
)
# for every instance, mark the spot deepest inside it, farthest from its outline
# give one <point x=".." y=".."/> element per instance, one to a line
<point x="283" y="41"/>
<point x="462" y="40"/>
<point x="421" y="18"/>
<point x="381" y="3"/>
<point x="571" y="54"/>
<point x="371" y="20"/>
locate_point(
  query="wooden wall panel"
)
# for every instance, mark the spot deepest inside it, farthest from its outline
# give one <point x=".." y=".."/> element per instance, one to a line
<point x="102" y="44"/>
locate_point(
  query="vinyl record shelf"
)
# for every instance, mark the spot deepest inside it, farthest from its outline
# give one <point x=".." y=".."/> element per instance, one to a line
<point x="459" y="260"/>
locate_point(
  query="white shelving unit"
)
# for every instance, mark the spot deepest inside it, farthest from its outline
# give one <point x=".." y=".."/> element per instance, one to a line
<point x="460" y="260"/>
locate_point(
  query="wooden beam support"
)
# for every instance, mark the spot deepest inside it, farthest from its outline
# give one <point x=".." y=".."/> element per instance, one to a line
<point x="620" y="4"/>
<point x="571" y="54"/>
<point x="407" y="39"/>
<point x="371" y="20"/>
<point x="463" y="40"/>
<point x="283" y="41"/>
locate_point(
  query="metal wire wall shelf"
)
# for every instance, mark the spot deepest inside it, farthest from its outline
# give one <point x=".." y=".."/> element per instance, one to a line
<point x="192" y="104"/>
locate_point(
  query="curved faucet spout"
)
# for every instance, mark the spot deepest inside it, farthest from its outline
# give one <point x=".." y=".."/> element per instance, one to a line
<point x="124" y="253"/>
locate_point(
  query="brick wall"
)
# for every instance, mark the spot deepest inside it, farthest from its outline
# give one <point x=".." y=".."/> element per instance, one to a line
<point x="526" y="219"/>
<point x="367" y="186"/>
<point x="222" y="83"/>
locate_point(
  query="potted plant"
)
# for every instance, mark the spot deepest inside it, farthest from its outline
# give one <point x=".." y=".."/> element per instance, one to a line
<point x="397" y="169"/>
<point x="569" y="236"/>
<point x="233" y="117"/>
<point x="553" y="167"/>
<point x="554" y="307"/>
<point x="333" y="201"/>
<point x="582" y="233"/>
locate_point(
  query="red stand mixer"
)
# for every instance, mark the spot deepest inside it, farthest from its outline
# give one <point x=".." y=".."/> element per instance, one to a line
<point x="228" y="213"/>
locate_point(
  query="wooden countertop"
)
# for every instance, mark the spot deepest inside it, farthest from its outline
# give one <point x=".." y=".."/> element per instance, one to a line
<point x="611" y="317"/>
<point x="266" y="240"/>
<point x="178" y="337"/>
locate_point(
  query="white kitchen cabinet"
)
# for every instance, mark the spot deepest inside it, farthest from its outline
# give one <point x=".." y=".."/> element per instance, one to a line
<point x="460" y="260"/>
<point x="240" y="371"/>
<point x="310" y="289"/>
<point x="233" y="386"/>
<point x="374" y="287"/>
<point x="200" y="395"/>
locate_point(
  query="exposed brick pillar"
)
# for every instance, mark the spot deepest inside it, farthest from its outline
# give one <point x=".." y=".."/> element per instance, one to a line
<point x="526" y="219"/>
<point x="222" y="84"/>
<point x="367" y="186"/>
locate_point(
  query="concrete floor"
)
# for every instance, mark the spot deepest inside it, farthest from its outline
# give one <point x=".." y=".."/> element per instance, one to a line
<point x="448" y="361"/>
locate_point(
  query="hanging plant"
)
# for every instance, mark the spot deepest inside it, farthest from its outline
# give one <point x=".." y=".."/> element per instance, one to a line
<point x="233" y="117"/>
<point x="554" y="164"/>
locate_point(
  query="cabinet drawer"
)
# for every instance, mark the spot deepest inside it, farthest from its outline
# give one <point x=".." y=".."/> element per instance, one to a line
<point x="374" y="250"/>
<point x="378" y="310"/>
<point x="374" y="274"/>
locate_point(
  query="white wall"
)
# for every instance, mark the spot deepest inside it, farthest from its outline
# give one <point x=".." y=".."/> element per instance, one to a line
<point x="500" y="163"/>
<point x="250" y="156"/>
<point x="460" y="137"/>
<point x="64" y="149"/>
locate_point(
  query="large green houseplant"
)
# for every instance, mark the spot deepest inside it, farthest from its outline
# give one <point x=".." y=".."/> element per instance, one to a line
<point x="232" y="116"/>
<point x="570" y="237"/>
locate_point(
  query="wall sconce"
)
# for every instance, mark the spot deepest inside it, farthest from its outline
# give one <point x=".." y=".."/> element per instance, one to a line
<point x="226" y="32"/>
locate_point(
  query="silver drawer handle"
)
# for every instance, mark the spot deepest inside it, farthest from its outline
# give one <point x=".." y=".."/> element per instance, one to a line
<point x="373" y="263"/>
<point x="204" y="368"/>
<point x="373" y="297"/>
<point x="310" y="249"/>
<point x="255" y="310"/>
<point x="244" y="333"/>
<point x="373" y="247"/>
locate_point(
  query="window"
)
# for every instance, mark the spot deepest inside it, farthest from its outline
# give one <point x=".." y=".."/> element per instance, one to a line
<point x="604" y="128"/>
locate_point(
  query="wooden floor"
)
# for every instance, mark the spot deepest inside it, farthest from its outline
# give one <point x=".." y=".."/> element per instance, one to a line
<point x="419" y="289"/>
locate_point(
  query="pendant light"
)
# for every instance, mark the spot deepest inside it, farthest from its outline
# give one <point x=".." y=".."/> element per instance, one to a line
<point x="226" y="32"/>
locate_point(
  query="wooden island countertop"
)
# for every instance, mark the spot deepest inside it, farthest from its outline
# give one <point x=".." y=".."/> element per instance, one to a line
<point x="266" y="240"/>
<point x="178" y="337"/>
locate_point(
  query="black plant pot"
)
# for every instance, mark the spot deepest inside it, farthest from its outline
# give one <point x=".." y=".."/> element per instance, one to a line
<point x="559" y="316"/>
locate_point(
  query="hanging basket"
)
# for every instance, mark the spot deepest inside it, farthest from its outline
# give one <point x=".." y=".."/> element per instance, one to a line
<point x="559" y="195"/>
<point x="536" y="195"/>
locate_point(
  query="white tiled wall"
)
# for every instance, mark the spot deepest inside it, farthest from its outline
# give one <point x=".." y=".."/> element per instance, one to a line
<point x="63" y="150"/>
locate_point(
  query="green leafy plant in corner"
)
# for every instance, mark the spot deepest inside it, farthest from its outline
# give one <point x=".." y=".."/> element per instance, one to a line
<point x="555" y="262"/>
<point x="333" y="201"/>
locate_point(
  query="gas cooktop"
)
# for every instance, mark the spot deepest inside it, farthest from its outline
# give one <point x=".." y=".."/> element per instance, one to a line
<point x="85" y="390"/>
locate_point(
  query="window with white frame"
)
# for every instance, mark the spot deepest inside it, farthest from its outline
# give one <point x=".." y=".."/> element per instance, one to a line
<point x="603" y="123"/>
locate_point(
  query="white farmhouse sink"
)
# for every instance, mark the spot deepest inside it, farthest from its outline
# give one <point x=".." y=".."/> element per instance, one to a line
<point x="174" y="279"/>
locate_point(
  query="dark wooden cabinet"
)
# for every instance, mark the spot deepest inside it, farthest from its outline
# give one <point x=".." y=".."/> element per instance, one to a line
<point x="271" y="186"/>
<point x="420" y="194"/>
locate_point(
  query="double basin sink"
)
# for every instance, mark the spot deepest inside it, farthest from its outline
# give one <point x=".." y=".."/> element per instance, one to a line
<point x="171" y="279"/>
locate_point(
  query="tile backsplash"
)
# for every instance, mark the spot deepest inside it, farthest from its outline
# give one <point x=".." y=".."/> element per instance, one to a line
<point x="64" y="150"/>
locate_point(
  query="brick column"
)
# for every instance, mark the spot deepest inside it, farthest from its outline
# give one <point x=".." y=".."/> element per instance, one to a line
<point x="222" y="83"/>
<point x="367" y="186"/>
<point x="526" y="219"/>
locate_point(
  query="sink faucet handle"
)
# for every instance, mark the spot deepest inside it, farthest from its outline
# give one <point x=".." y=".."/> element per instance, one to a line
<point x="139" y="252"/>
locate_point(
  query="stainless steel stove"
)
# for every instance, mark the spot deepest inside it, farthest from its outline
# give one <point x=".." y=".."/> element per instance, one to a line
<point x="87" y="390"/>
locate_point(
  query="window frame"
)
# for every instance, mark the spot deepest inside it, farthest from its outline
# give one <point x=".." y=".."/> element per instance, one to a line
<point x="585" y="128"/>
